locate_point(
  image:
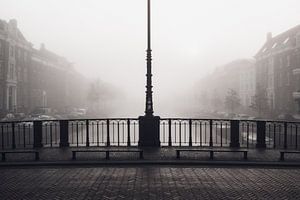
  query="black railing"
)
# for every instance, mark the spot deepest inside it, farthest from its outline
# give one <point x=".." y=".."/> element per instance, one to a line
<point x="16" y="135"/>
<point x="248" y="133"/>
<point x="173" y="132"/>
<point x="194" y="132"/>
<point x="103" y="132"/>
<point x="283" y="135"/>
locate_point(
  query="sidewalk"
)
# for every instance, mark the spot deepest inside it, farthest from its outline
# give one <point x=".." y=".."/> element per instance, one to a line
<point x="163" y="156"/>
<point x="149" y="182"/>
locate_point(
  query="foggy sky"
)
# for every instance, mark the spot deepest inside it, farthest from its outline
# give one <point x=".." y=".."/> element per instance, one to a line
<point x="107" y="38"/>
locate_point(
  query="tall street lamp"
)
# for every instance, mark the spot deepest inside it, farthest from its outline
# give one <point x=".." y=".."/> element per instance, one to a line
<point x="149" y="124"/>
<point x="149" y="100"/>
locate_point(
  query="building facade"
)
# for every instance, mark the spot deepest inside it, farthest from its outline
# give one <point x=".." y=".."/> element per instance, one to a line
<point x="238" y="75"/>
<point x="15" y="58"/>
<point x="278" y="72"/>
<point x="35" y="78"/>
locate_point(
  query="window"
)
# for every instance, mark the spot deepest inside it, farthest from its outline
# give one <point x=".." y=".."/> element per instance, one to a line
<point x="25" y="56"/>
<point x="1" y="47"/>
<point x="298" y="40"/>
<point x="19" y="53"/>
<point x="19" y="74"/>
<point x="11" y="51"/>
<point x="1" y="25"/>
<point x="1" y="70"/>
<point x="25" y="74"/>
<point x="11" y="72"/>
<point x="280" y="79"/>
<point x="1" y="101"/>
<point x="288" y="78"/>
<point x="288" y="58"/>
<point x="280" y="62"/>
<point x="10" y="97"/>
<point x="265" y="49"/>
<point x="286" y="40"/>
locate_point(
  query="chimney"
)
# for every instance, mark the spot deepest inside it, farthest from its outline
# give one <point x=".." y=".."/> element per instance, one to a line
<point x="13" y="23"/>
<point x="42" y="47"/>
<point x="269" y="36"/>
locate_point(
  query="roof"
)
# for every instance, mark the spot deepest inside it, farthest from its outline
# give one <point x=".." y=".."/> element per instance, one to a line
<point x="285" y="39"/>
<point x="11" y="30"/>
<point x="45" y="55"/>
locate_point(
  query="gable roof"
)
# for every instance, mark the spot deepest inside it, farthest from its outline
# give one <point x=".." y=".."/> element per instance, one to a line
<point x="285" y="39"/>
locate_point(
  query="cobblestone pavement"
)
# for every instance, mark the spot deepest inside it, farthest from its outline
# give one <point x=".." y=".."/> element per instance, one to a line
<point x="149" y="183"/>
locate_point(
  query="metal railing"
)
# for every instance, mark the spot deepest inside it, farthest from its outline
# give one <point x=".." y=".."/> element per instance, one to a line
<point x="194" y="132"/>
<point x="103" y="132"/>
<point x="173" y="132"/>
<point x="16" y="135"/>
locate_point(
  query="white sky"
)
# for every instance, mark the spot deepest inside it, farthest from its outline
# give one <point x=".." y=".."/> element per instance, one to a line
<point x="107" y="38"/>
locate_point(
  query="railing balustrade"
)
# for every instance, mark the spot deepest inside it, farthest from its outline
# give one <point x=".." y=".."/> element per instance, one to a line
<point x="194" y="132"/>
<point x="173" y="132"/>
<point x="103" y="132"/>
<point x="16" y="135"/>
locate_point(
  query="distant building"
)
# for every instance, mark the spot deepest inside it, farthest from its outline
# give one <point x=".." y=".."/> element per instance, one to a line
<point x="48" y="79"/>
<point x="32" y="78"/>
<point x="238" y="75"/>
<point x="278" y="71"/>
<point x="15" y="58"/>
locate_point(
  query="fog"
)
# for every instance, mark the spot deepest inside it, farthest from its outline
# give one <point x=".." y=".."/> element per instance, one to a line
<point x="107" y="40"/>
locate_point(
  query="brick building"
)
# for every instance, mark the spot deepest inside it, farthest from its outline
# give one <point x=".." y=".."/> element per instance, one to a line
<point x="278" y="72"/>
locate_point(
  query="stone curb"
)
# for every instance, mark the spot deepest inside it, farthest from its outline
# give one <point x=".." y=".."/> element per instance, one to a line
<point x="152" y="162"/>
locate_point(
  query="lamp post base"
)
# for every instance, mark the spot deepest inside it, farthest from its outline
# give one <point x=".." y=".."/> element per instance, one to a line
<point x="149" y="131"/>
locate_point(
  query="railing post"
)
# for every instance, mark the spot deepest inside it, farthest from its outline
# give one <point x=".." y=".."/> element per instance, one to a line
<point x="13" y="135"/>
<point x="87" y="133"/>
<point x="179" y="133"/>
<point x="2" y="137"/>
<point x="107" y="136"/>
<point x="234" y="133"/>
<point x="37" y="134"/>
<point x="149" y="131"/>
<point x="190" y="133"/>
<point x="261" y="134"/>
<point x="211" y="133"/>
<point x="128" y="133"/>
<point x="285" y="135"/>
<point x="64" y="133"/>
<point x="296" y="136"/>
<point x="170" y="132"/>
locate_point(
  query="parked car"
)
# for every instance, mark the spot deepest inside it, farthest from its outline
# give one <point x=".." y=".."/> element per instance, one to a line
<point x="42" y="111"/>
<point x="243" y="116"/>
<point x="287" y="117"/>
<point x="8" y="117"/>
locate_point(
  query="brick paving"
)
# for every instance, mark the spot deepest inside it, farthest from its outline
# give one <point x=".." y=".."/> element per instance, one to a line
<point x="154" y="182"/>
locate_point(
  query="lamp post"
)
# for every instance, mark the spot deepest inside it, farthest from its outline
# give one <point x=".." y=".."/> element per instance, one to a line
<point x="149" y="124"/>
<point x="149" y="100"/>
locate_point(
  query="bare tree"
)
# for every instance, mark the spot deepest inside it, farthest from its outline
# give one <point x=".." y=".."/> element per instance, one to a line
<point x="260" y="102"/>
<point x="232" y="101"/>
<point x="94" y="96"/>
